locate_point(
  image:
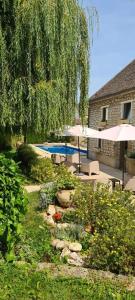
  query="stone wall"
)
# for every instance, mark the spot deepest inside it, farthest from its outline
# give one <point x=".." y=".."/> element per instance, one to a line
<point x="110" y="151"/>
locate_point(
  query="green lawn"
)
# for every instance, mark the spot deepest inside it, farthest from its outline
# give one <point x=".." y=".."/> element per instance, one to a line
<point x="24" y="282"/>
<point x="36" y="238"/>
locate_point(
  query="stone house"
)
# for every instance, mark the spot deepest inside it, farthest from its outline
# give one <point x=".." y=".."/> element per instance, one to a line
<point x="113" y="104"/>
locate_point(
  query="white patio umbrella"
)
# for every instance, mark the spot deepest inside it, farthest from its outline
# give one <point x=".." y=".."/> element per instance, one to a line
<point x="81" y="131"/>
<point x="123" y="132"/>
<point x="120" y="133"/>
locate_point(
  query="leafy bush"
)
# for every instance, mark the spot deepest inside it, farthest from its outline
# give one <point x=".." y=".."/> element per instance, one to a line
<point x="65" y="180"/>
<point x="73" y="233"/>
<point x="71" y="217"/>
<point x="27" y="157"/>
<point x="47" y="195"/>
<point x="42" y="170"/>
<point x="112" y="218"/>
<point x="12" y="206"/>
<point x="35" y="242"/>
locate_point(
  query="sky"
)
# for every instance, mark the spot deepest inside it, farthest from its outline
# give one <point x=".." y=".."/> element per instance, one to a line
<point x="114" y="42"/>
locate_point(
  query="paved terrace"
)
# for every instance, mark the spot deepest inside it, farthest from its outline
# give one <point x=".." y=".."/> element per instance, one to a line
<point x="106" y="172"/>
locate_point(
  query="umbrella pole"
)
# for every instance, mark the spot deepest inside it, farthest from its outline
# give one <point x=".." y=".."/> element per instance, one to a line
<point x="123" y="179"/>
<point x="66" y="149"/>
<point x="79" y="153"/>
<point x="123" y="167"/>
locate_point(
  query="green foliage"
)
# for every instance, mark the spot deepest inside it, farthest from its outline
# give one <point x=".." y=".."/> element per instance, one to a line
<point x="37" y="41"/>
<point x="25" y="283"/>
<point x="42" y="170"/>
<point x="35" y="243"/>
<point x="70" y="217"/>
<point x="51" y="137"/>
<point x="11" y="154"/>
<point x="5" y="141"/>
<point x="12" y="206"/>
<point x="26" y="156"/>
<point x="64" y="179"/>
<point x="73" y="232"/>
<point x="47" y="195"/>
<point x="112" y="217"/>
<point x="54" y="138"/>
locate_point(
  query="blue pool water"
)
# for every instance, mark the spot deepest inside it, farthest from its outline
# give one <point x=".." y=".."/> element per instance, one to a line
<point x="67" y="150"/>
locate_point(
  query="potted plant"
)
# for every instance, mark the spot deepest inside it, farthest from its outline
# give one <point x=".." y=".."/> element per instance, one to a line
<point x="66" y="184"/>
<point x="130" y="163"/>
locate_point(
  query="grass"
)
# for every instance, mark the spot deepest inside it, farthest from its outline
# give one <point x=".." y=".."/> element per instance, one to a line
<point x="26" y="284"/>
<point x="23" y="282"/>
<point x="36" y="238"/>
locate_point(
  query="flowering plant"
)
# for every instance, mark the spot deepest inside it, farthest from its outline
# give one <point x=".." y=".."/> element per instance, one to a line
<point x="57" y="216"/>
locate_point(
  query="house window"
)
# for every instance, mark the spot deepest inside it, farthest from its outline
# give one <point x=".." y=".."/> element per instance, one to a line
<point x="99" y="141"/>
<point x="104" y="116"/>
<point x="126" y="110"/>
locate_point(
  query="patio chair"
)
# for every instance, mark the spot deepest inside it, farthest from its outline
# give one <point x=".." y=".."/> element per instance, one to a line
<point x="58" y="159"/>
<point x="90" y="167"/>
<point x="73" y="159"/>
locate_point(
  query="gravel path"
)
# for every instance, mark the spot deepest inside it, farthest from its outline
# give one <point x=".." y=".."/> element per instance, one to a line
<point x="33" y="188"/>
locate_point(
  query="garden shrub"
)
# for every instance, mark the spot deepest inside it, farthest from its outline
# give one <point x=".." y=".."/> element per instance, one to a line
<point x="72" y="233"/>
<point x="43" y="170"/>
<point x="27" y="157"/>
<point x="71" y="217"/>
<point x="64" y="179"/>
<point x="111" y="216"/>
<point x="35" y="243"/>
<point x="12" y="206"/>
<point x="47" y="195"/>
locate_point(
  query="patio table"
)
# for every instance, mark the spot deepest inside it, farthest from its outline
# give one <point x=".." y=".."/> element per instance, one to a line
<point x="114" y="181"/>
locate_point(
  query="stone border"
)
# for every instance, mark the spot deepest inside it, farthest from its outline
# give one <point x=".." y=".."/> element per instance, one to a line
<point x="86" y="273"/>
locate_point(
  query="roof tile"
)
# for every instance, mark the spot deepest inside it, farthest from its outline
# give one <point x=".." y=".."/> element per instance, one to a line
<point x="123" y="81"/>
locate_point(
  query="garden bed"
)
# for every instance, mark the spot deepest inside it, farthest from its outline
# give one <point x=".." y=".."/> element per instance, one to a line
<point x="23" y="281"/>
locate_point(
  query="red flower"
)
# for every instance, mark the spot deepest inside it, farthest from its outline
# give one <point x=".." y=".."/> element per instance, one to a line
<point x="57" y="216"/>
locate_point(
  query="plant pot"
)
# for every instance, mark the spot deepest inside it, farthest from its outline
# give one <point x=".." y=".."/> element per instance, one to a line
<point x="65" y="197"/>
<point x="130" y="164"/>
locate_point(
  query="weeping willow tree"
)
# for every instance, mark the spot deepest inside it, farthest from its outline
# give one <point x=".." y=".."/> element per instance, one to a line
<point x="44" y="63"/>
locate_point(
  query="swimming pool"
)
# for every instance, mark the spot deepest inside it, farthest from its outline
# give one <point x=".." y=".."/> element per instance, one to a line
<point x="67" y="150"/>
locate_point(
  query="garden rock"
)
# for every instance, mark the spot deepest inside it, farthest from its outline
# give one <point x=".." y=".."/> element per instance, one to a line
<point x="75" y="259"/>
<point x="75" y="256"/>
<point x="60" y="209"/>
<point x="54" y="242"/>
<point x="61" y="245"/>
<point x="76" y="263"/>
<point x="49" y="220"/>
<point x="65" y="252"/>
<point x="51" y="210"/>
<point x="64" y="210"/>
<point x="75" y="247"/>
